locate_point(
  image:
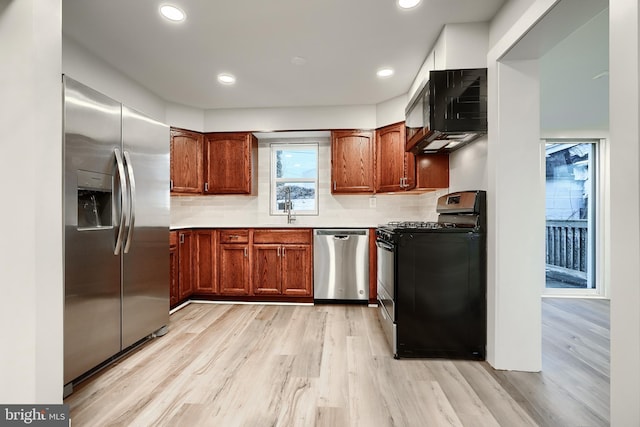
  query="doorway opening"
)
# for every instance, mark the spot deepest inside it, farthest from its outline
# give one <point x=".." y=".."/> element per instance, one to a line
<point x="570" y="212"/>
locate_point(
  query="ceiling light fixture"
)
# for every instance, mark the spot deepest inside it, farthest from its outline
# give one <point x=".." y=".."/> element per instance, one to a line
<point x="226" y="79"/>
<point x="385" y="72"/>
<point x="298" y="60"/>
<point x="408" y="4"/>
<point x="172" y="13"/>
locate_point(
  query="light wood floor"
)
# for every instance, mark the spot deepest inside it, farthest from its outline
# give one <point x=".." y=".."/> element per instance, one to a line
<point x="329" y="365"/>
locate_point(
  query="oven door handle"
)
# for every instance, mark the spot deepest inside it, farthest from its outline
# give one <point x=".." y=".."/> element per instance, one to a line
<point x="385" y="246"/>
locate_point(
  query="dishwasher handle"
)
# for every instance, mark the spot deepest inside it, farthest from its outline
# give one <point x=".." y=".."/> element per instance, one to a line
<point x="340" y="237"/>
<point x="341" y="233"/>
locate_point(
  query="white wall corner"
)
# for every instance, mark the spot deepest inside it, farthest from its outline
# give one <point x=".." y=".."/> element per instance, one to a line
<point x="624" y="95"/>
<point x="290" y="118"/>
<point x="458" y="46"/>
<point x="514" y="280"/>
<point x="185" y="117"/>
<point x="31" y="358"/>
<point x="82" y="65"/>
<point x="391" y="111"/>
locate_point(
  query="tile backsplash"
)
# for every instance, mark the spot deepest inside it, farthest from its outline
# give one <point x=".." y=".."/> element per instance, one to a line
<point x="334" y="210"/>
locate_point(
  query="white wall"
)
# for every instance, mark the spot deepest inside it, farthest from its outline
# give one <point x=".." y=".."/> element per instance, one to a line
<point x="624" y="54"/>
<point x="515" y="270"/>
<point x="466" y="45"/>
<point x="457" y="46"/>
<point x="291" y="118"/>
<point x="624" y="196"/>
<point x="391" y="111"/>
<point x="182" y="116"/>
<point x="506" y="17"/>
<point x="573" y="102"/>
<point x="31" y="168"/>
<point x="468" y="166"/>
<point x="83" y="66"/>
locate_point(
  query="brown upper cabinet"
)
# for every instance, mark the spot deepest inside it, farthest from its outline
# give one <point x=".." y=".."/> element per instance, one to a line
<point x="230" y="163"/>
<point x="396" y="169"/>
<point x="432" y="171"/>
<point x="186" y="161"/>
<point x="352" y="161"/>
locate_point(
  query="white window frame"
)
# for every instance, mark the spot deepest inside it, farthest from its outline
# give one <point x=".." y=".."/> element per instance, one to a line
<point x="274" y="181"/>
<point x="596" y="221"/>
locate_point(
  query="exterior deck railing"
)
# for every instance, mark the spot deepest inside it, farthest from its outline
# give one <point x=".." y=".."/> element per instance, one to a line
<point x="566" y="244"/>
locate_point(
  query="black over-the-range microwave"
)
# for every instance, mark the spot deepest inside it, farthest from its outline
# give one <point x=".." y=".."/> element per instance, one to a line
<point x="448" y="111"/>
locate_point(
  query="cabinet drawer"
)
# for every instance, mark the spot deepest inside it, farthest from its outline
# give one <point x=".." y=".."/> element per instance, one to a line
<point x="173" y="239"/>
<point x="282" y="236"/>
<point x="234" y="236"/>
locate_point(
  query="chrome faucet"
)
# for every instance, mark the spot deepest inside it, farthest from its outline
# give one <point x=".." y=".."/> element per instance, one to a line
<point x="288" y="204"/>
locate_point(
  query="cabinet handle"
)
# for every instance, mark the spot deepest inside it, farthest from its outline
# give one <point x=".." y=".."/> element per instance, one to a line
<point x="206" y="186"/>
<point x="334" y="186"/>
<point x="278" y="250"/>
<point x="246" y="252"/>
<point x="181" y="238"/>
<point x="234" y="236"/>
<point x="283" y="251"/>
<point x="170" y="184"/>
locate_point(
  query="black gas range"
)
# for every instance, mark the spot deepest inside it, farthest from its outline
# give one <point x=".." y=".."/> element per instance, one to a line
<point x="432" y="280"/>
<point x="391" y="231"/>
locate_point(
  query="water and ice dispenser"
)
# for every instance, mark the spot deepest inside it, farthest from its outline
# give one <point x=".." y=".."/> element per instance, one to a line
<point x="95" y="201"/>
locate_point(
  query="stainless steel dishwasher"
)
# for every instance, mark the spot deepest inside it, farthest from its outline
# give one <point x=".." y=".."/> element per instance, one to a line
<point x="341" y="265"/>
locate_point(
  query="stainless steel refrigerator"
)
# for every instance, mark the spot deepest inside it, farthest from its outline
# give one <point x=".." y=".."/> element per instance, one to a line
<point x="116" y="211"/>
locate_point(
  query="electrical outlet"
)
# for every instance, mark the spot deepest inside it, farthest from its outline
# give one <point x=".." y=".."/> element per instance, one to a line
<point x="372" y="201"/>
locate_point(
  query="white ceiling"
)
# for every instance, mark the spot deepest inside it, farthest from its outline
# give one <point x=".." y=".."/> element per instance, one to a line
<point x="344" y="43"/>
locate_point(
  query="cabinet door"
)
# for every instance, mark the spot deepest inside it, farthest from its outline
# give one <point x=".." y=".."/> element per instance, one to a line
<point x="395" y="167"/>
<point x="186" y="161"/>
<point x="352" y="162"/>
<point x="296" y="270"/>
<point x="205" y="262"/>
<point x="266" y="269"/>
<point x="185" y="264"/>
<point x="433" y="171"/>
<point x="174" y="291"/>
<point x="233" y="269"/>
<point x="229" y="163"/>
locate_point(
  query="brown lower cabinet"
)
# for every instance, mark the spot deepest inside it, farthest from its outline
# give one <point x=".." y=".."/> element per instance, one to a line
<point x="233" y="262"/>
<point x="281" y="262"/>
<point x="205" y="254"/>
<point x="174" y="292"/>
<point x="185" y="263"/>
<point x="254" y="264"/>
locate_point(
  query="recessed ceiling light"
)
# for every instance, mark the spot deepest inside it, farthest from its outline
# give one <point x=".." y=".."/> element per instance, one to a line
<point x="408" y="4"/>
<point x="385" y="72"/>
<point x="298" y="60"/>
<point x="226" y="79"/>
<point x="172" y="13"/>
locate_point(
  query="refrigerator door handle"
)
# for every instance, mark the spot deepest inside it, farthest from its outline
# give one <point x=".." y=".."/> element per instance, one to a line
<point x="132" y="202"/>
<point x="124" y="195"/>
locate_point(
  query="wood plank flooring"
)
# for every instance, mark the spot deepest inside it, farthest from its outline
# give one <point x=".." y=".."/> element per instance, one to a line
<point x="329" y="365"/>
